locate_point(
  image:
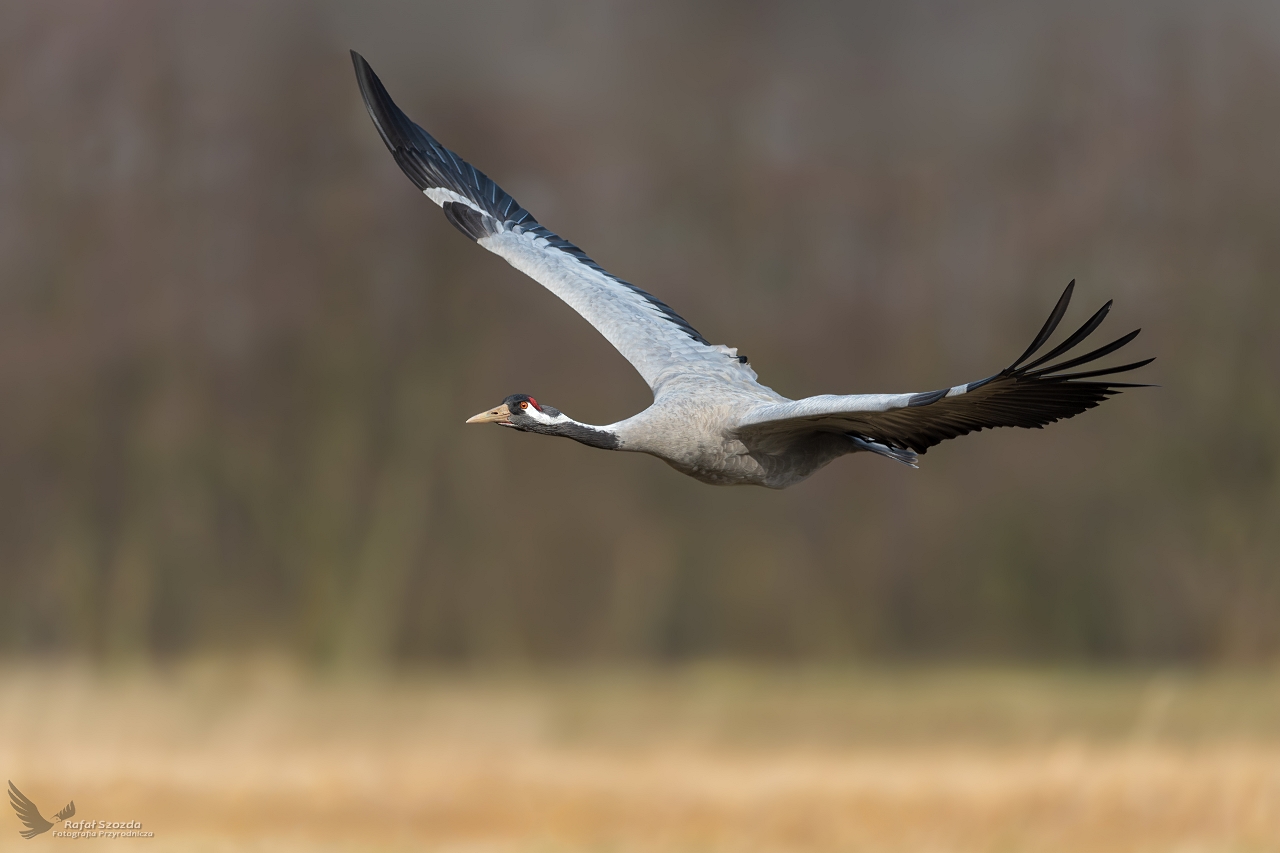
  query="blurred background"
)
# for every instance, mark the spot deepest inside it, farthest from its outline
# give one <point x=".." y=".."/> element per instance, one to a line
<point x="237" y="346"/>
<point x="259" y="580"/>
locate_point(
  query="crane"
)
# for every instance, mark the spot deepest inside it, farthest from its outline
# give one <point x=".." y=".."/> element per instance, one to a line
<point x="711" y="418"/>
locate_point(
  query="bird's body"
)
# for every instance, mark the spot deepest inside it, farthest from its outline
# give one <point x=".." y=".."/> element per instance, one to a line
<point x="686" y="429"/>
<point x="691" y="428"/>
<point x="711" y="418"/>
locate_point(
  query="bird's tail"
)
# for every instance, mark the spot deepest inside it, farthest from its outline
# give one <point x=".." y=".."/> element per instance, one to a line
<point x="898" y="454"/>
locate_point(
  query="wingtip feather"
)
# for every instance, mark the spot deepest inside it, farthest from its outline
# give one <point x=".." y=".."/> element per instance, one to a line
<point x="1055" y="317"/>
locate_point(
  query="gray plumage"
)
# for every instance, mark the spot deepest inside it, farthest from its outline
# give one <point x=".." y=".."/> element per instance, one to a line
<point x="711" y="418"/>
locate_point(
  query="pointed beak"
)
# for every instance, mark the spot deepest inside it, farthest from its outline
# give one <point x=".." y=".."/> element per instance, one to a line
<point x="498" y="415"/>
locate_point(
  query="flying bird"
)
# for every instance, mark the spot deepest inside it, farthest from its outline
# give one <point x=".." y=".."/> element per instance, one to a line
<point x="30" y="815"/>
<point x="710" y="417"/>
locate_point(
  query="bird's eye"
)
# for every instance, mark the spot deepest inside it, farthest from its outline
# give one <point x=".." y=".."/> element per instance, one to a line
<point x="524" y="405"/>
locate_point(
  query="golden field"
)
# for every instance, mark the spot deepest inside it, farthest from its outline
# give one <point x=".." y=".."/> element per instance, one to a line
<point x="217" y="757"/>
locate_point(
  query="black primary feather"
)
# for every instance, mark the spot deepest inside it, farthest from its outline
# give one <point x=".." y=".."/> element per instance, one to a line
<point x="1055" y="317"/>
<point x="1079" y="335"/>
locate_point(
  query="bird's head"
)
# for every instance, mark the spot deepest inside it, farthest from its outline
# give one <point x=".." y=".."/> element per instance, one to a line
<point x="524" y="413"/>
<point x="521" y="412"/>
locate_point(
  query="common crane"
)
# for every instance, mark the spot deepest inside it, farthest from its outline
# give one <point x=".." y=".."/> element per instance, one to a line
<point x="710" y="417"/>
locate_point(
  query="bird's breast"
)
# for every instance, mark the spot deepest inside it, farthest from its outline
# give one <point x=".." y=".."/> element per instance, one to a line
<point x="694" y="439"/>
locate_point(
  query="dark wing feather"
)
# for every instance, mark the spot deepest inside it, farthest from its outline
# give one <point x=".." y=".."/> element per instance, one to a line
<point x="1055" y="317"/>
<point x="1031" y="395"/>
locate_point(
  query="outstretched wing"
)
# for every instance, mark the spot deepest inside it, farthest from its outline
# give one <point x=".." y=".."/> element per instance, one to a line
<point x="1029" y="394"/>
<point x="655" y="339"/>
<point x="27" y="813"/>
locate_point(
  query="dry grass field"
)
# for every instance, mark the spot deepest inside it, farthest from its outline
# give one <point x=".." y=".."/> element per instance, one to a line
<point x="220" y="758"/>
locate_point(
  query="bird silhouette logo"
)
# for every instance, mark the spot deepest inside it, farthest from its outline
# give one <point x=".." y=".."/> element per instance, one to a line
<point x="30" y="815"/>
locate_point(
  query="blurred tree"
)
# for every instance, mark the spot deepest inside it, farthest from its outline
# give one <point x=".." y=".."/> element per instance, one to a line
<point x="236" y="347"/>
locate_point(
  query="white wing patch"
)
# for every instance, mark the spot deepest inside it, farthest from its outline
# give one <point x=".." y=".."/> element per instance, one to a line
<point x="440" y="195"/>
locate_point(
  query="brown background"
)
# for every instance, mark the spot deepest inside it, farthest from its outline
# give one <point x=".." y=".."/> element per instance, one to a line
<point x="237" y="347"/>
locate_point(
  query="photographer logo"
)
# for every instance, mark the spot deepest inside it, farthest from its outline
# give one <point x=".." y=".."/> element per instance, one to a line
<point x="36" y="824"/>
